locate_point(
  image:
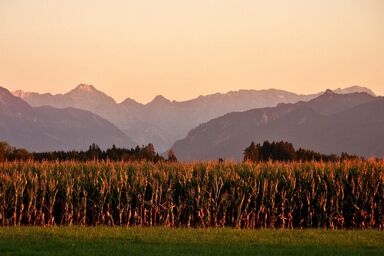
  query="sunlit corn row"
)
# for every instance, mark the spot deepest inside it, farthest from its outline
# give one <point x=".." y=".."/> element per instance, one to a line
<point x="347" y="194"/>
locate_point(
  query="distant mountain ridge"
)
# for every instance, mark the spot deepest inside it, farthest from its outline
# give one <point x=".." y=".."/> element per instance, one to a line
<point x="330" y="123"/>
<point x="354" y="89"/>
<point x="46" y="128"/>
<point x="161" y="121"/>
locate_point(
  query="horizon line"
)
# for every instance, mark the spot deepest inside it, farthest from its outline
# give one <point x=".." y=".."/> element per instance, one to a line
<point x="188" y="99"/>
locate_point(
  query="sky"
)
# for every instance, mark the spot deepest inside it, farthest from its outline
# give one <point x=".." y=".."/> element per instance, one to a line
<point x="183" y="49"/>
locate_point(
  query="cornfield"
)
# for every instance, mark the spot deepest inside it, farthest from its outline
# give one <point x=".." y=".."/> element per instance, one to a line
<point x="334" y="195"/>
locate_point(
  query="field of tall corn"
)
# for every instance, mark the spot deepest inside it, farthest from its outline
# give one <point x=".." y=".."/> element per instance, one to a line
<point x="335" y="195"/>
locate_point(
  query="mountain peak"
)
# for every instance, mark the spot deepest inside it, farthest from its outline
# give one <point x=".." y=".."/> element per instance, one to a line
<point x="130" y="102"/>
<point x="159" y="99"/>
<point x="87" y="95"/>
<point x="85" y="88"/>
<point x="329" y="92"/>
<point x="353" y="89"/>
<point x="21" y="94"/>
<point x="9" y="102"/>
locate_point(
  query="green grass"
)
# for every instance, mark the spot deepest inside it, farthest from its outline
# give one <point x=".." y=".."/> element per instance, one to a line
<point x="165" y="241"/>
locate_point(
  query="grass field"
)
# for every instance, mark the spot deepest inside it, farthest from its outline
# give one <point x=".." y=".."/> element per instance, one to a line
<point x="167" y="241"/>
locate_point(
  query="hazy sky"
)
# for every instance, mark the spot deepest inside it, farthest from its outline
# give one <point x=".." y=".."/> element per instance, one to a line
<point x="182" y="49"/>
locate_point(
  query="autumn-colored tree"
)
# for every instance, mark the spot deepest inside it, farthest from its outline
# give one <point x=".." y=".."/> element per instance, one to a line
<point x="171" y="156"/>
<point x="5" y="150"/>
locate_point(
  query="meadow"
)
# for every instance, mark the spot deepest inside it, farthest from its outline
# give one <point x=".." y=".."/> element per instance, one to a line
<point x="78" y="240"/>
<point x="284" y="195"/>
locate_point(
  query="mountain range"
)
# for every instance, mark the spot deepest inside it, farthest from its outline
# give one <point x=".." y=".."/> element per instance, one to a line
<point x="161" y="121"/>
<point x="329" y="123"/>
<point x="47" y="128"/>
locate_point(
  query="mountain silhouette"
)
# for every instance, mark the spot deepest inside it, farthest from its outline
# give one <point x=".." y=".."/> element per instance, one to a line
<point x="161" y="121"/>
<point x="330" y="123"/>
<point x="46" y="128"/>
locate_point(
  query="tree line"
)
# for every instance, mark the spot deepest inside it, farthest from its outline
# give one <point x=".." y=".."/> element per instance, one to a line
<point x="7" y="152"/>
<point x="143" y="153"/>
<point x="275" y="151"/>
<point x="284" y="151"/>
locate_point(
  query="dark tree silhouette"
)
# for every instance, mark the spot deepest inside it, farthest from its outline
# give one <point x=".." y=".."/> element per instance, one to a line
<point x="5" y="150"/>
<point x="252" y="153"/>
<point x="114" y="153"/>
<point x="94" y="152"/>
<point x="171" y="156"/>
<point x="284" y="151"/>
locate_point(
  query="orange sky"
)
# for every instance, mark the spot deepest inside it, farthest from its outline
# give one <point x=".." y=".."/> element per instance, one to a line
<point x="183" y="49"/>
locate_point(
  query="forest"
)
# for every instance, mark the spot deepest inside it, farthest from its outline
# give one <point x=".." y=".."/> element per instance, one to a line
<point x="267" y="151"/>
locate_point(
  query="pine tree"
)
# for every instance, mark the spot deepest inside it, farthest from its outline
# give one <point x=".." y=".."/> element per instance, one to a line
<point x="252" y="153"/>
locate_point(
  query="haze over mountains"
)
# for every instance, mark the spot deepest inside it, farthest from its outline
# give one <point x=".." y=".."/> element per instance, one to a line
<point x="161" y="121"/>
<point x="330" y="123"/>
<point x="47" y="128"/>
